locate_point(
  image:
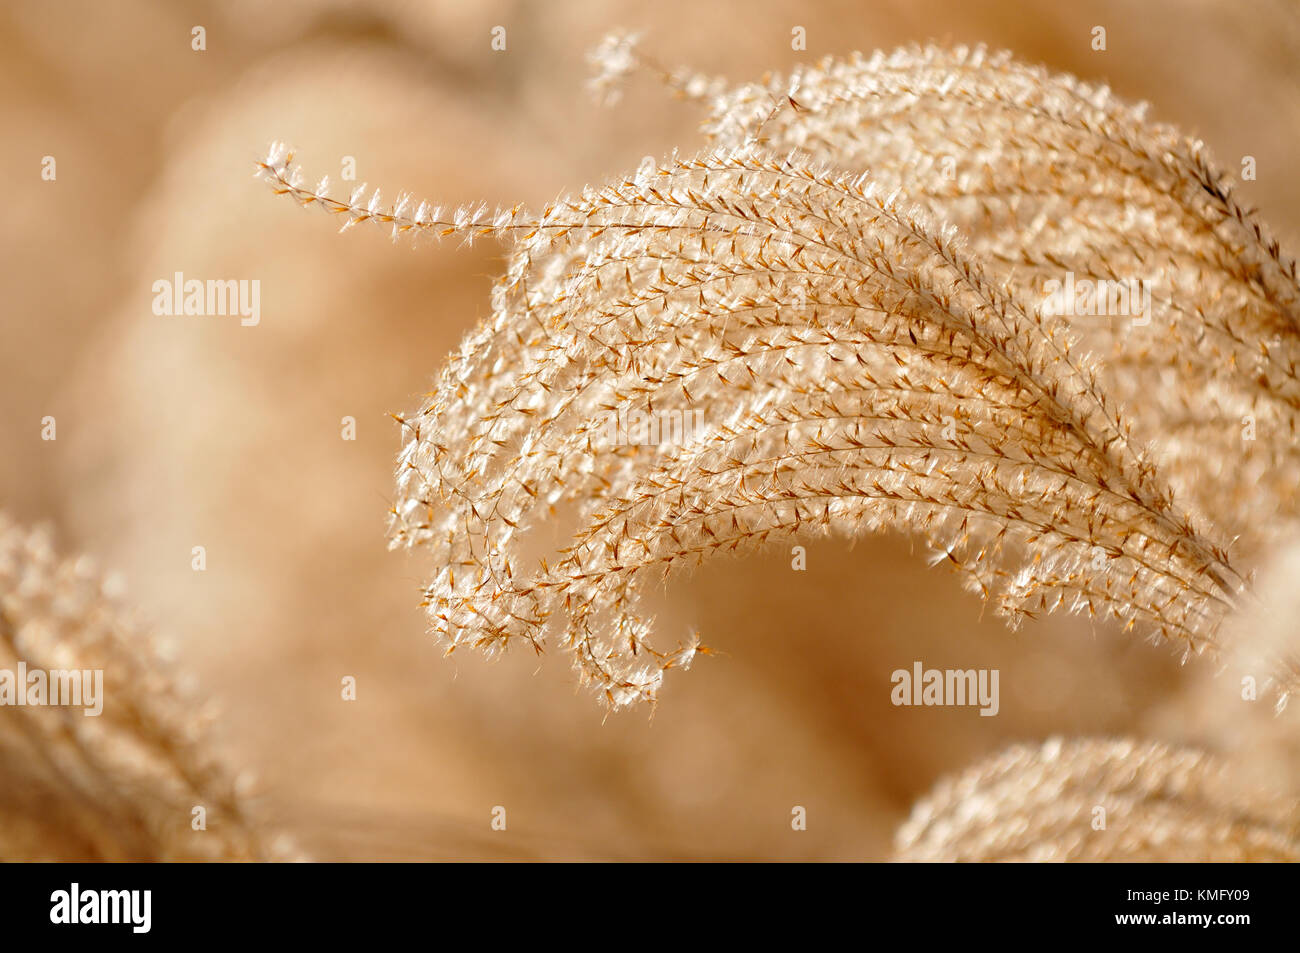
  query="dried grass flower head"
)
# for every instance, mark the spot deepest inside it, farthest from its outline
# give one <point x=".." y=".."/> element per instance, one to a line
<point x="1087" y="800"/>
<point x="125" y="783"/>
<point x="859" y="329"/>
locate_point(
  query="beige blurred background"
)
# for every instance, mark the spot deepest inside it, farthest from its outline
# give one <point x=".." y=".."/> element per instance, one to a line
<point x="174" y="433"/>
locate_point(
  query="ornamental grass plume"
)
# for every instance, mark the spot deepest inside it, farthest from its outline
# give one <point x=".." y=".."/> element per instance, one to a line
<point x="1086" y="800"/>
<point x="123" y="784"/>
<point x="866" y="350"/>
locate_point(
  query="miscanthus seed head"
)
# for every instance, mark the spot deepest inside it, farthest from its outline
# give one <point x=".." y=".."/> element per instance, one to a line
<point x="860" y="326"/>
